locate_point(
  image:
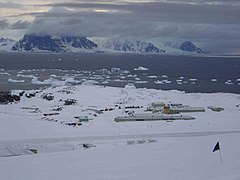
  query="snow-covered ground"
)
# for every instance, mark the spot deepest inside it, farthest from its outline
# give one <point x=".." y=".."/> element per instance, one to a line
<point x="126" y="150"/>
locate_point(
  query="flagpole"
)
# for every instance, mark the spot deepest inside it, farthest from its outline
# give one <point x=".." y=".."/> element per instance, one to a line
<point x="220" y="155"/>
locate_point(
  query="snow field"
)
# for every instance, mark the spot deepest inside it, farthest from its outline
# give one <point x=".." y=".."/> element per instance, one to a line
<point x="181" y="149"/>
<point x="169" y="158"/>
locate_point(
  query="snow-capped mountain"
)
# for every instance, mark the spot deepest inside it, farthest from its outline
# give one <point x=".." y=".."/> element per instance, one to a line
<point x="79" y="42"/>
<point x="186" y="46"/>
<point x="127" y="45"/>
<point x="49" y="43"/>
<point x="6" y="44"/>
<point x="39" y="43"/>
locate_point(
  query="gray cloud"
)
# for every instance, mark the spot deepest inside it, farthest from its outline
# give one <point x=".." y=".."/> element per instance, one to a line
<point x="197" y="20"/>
<point x="20" y="25"/>
<point x="179" y="12"/>
<point x="131" y="23"/>
<point x="22" y="15"/>
<point x="189" y="11"/>
<point x="3" y="24"/>
<point x="199" y="31"/>
<point x="9" y="5"/>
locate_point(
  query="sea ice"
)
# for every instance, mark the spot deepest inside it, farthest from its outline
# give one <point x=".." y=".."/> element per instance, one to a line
<point x="5" y="73"/>
<point x="166" y="81"/>
<point x="229" y="82"/>
<point x="140" y="82"/>
<point x="90" y="82"/>
<point x="158" y="82"/>
<point x="105" y="82"/>
<point x="25" y="76"/>
<point x="130" y="86"/>
<point x="10" y="80"/>
<point x="50" y="81"/>
<point x="72" y="81"/>
<point x="114" y="69"/>
<point x="164" y="76"/>
<point x="140" y="68"/>
<point x="152" y="76"/>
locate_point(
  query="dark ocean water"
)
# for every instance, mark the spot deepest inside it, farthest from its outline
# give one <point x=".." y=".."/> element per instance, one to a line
<point x="185" y="73"/>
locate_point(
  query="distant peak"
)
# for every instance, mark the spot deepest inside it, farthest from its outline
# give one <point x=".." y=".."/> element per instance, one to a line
<point x="43" y="42"/>
<point x="129" y="45"/>
<point x="187" y="46"/>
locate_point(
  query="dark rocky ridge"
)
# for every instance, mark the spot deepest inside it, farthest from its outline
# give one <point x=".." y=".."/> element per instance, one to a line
<point x="6" y="97"/>
<point x="190" y="47"/>
<point x="52" y="44"/>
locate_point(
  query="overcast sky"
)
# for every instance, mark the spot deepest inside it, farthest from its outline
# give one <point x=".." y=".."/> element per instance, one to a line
<point x="212" y="24"/>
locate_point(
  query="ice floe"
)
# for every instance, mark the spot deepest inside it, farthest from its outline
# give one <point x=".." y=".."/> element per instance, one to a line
<point x="25" y="76"/>
<point x="229" y="82"/>
<point x="167" y="81"/>
<point x="72" y="81"/>
<point x="10" y="80"/>
<point x="105" y="82"/>
<point x="158" y="82"/>
<point x="5" y="73"/>
<point x="141" y="82"/>
<point x="152" y="76"/>
<point x="140" y="68"/>
<point x="115" y="69"/>
<point x="130" y="86"/>
<point x="164" y="76"/>
<point x="50" y="81"/>
<point x="90" y="82"/>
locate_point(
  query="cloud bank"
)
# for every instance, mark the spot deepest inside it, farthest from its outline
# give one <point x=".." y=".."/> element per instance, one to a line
<point x="198" y="20"/>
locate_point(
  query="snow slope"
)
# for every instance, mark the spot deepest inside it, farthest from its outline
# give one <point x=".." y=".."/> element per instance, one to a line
<point x="130" y="150"/>
<point x="126" y="45"/>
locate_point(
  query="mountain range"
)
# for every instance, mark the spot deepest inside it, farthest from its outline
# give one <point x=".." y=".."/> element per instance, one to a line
<point x="127" y="45"/>
<point x="47" y="43"/>
<point x="53" y="44"/>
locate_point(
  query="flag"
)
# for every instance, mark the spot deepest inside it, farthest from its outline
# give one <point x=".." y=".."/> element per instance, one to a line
<point x="217" y="147"/>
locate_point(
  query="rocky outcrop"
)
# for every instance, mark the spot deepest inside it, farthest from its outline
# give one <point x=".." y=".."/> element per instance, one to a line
<point x="7" y="97"/>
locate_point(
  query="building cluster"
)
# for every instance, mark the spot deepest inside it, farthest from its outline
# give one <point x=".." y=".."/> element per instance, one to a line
<point x="156" y="111"/>
<point x="166" y="112"/>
